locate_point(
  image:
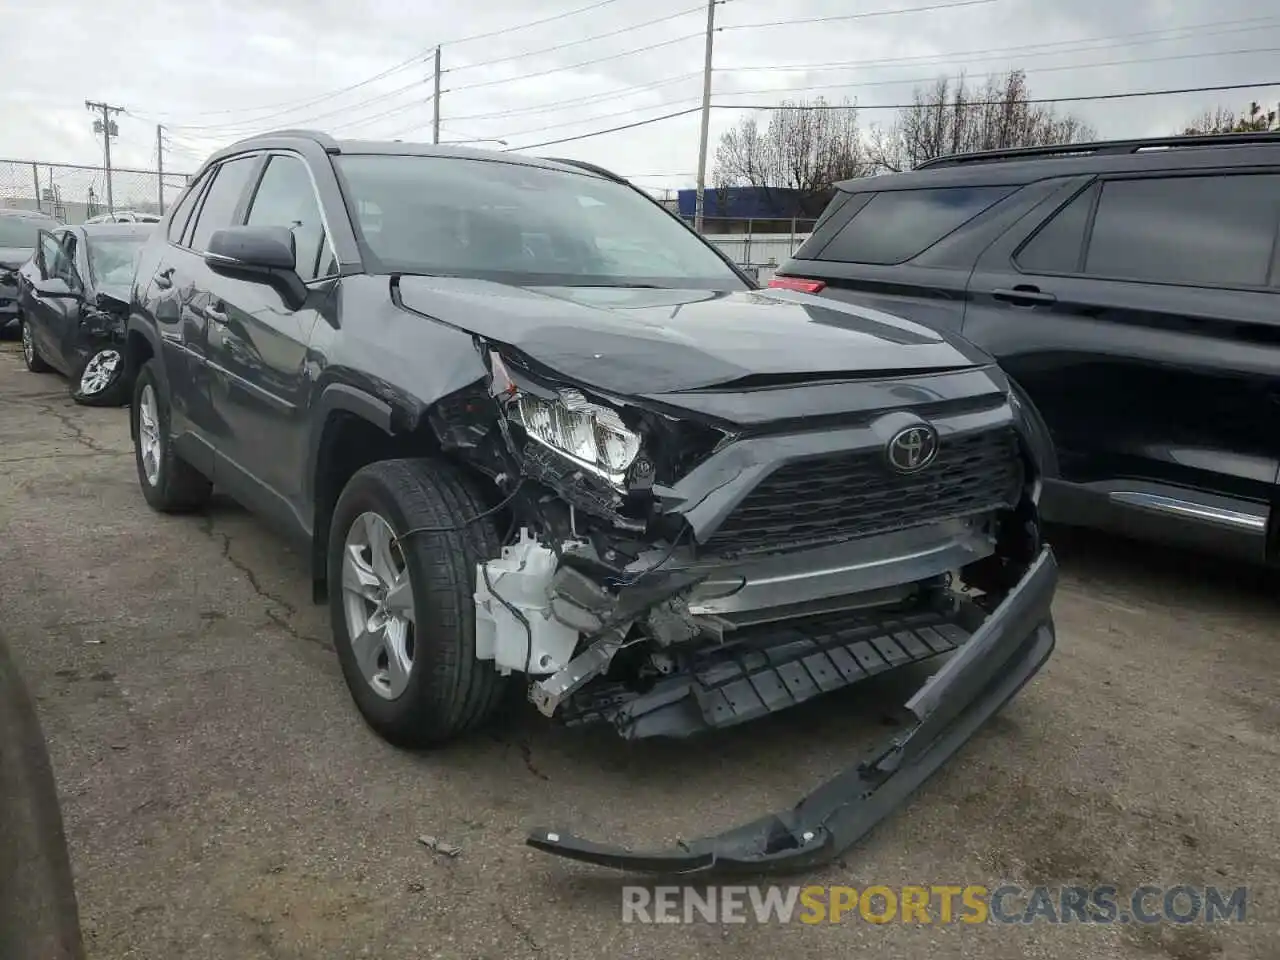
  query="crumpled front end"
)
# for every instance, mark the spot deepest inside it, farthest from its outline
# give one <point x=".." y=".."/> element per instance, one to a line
<point x="673" y="570"/>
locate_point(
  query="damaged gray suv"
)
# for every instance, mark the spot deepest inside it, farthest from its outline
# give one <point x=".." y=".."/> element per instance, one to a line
<point x="536" y="435"/>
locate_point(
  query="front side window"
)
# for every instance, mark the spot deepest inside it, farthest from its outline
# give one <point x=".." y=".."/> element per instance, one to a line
<point x="515" y="223"/>
<point x="285" y="198"/>
<point x="182" y="212"/>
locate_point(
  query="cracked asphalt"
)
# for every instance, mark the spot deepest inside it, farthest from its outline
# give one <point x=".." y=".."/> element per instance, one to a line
<point x="223" y="799"/>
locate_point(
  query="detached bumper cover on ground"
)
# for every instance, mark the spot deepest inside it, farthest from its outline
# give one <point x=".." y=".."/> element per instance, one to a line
<point x="1003" y="654"/>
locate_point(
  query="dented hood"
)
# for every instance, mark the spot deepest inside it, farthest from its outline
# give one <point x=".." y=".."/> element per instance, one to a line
<point x="646" y="341"/>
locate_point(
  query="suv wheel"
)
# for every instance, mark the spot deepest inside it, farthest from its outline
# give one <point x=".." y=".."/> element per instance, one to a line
<point x="403" y="612"/>
<point x="35" y="363"/>
<point x="170" y="484"/>
<point x="102" y="382"/>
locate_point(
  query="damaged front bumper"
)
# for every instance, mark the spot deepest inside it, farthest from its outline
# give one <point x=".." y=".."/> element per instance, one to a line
<point x="986" y="671"/>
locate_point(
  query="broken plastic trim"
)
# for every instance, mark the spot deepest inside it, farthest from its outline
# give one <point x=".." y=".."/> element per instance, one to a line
<point x="1007" y="650"/>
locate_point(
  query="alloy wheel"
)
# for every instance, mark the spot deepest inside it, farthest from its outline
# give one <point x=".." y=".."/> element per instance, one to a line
<point x="377" y="599"/>
<point x="100" y="371"/>
<point x="149" y="434"/>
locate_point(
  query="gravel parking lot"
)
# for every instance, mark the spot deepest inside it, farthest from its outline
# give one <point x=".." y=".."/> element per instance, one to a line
<point x="223" y="799"/>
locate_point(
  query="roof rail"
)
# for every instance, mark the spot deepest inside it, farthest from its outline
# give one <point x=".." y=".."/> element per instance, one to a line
<point x="327" y="142"/>
<point x="588" y="166"/>
<point x="1103" y="148"/>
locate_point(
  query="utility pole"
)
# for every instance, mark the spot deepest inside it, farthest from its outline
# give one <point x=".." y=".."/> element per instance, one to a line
<point x="160" y="167"/>
<point x="108" y="128"/>
<point x="706" y="117"/>
<point x="435" y="103"/>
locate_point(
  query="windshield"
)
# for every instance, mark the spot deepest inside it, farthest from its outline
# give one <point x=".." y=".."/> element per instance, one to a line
<point x="520" y="224"/>
<point x="112" y="261"/>
<point x="21" y="231"/>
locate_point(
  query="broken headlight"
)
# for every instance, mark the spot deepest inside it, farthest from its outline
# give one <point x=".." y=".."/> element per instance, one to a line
<point x="592" y="436"/>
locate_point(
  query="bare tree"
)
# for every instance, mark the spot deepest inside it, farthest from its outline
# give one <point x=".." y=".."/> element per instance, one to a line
<point x="805" y="146"/>
<point x="1222" y="120"/>
<point x="953" y="117"/>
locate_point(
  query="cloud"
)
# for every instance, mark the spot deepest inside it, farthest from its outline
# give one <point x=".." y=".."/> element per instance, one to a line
<point x="215" y="71"/>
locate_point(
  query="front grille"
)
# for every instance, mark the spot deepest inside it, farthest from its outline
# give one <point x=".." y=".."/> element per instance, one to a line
<point x="842" y="496"/>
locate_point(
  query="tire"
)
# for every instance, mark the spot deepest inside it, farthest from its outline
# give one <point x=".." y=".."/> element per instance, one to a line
<point x="31" y="354"/>
<point x="102" y="382"/>
<point x="175" y="486"/>
<point x="446" y="691"/>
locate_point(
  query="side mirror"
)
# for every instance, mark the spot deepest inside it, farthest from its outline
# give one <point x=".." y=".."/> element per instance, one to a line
<point x="266" y="254"/>
<point x="55" y="288"/>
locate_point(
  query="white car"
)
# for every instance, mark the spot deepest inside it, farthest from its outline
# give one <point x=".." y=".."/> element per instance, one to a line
<point x="125" y="216"/>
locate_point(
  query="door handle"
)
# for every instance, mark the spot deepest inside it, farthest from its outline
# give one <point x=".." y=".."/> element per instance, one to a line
<point x="164" y="279"/>
<point x="1024" y="295"/>
<point x="215" y="315"/>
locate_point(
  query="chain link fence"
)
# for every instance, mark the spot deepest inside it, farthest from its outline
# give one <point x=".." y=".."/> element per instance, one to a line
<point x="759" y="246"/>
<point x="74" y="193"/>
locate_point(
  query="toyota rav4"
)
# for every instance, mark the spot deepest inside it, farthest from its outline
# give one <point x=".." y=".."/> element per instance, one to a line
<point x="532" y="429"/>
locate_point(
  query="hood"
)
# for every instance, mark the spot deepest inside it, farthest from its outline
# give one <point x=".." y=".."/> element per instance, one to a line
<point x="640" y="341"/>
<point x="14" y="257"/>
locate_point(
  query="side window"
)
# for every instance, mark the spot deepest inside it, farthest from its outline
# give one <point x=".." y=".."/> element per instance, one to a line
<point x="221" y="200"/>
<point x="894" y="226"/>
<point x="286" y="198"/>
<point x="1058" y="246"/>
<point x="69" y="272"/>
<point x="1216" y="231"/>
<point x="182" y="213"/>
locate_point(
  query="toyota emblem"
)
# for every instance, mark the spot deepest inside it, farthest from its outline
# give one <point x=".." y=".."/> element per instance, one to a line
<point x="913" y="448"/>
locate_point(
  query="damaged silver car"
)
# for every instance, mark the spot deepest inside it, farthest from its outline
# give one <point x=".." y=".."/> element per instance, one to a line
<point x="537" y="435"/>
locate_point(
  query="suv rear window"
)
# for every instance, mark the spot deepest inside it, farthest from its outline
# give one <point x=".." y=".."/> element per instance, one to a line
<point x="894" y="226"/>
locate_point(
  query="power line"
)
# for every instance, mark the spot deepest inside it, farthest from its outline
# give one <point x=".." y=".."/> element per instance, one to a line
<point x="254" y="125"/>
<point x="600" y="133"/>
<point x="900" y="106"/>
<point x="999" y="103"/>
<point x="575" y="66"/>
<point x="573" y="43"/>
<point x="588" y="99"/>
<point x="1037" y="49"/>
<point x="998" y="73"/>
<point x="859" y="16"/>
<point x="417" y="57"/>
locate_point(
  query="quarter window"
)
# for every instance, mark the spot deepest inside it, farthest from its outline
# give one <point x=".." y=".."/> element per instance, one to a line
<point x="182" y="213"/>
<point x="221" y="200"/>
<point x="894" y="226"/>
<point x="1059" y="245"/>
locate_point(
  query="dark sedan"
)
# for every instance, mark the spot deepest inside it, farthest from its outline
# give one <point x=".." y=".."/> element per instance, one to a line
<point x="74" y="296"/>
<point x="18" y="232"/>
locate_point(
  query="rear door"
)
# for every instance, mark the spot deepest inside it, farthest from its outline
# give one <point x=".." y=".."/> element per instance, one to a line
<point x="1142" y="318"/>
<point x="258" y="341"/>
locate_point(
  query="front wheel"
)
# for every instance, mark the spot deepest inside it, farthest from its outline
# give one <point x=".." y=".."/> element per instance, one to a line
<point x="102" y="382"/>
<point x="35" y="363"/>
<point x="170" y="484"/>
<point x="403" y="611"/>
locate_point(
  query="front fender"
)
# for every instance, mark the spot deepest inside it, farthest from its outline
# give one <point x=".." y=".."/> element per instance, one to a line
<point x="336" y="397"/>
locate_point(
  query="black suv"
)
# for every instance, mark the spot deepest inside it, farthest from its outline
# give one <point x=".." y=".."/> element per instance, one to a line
<point x="530" y="428"/>
<point x="1130" y="291"/>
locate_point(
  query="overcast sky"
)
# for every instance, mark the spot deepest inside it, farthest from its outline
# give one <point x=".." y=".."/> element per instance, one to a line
<point x="214" y="70"/>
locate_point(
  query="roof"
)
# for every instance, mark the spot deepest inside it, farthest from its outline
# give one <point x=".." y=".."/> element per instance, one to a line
<point x="1016" y="167"/>
<point x="396" y="148"/>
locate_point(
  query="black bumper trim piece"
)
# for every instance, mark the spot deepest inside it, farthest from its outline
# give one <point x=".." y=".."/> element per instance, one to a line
<point x="1006" y="651"/>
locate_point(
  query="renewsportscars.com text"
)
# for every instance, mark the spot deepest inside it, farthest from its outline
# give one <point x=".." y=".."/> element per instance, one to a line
<point x="933" y="904"/>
